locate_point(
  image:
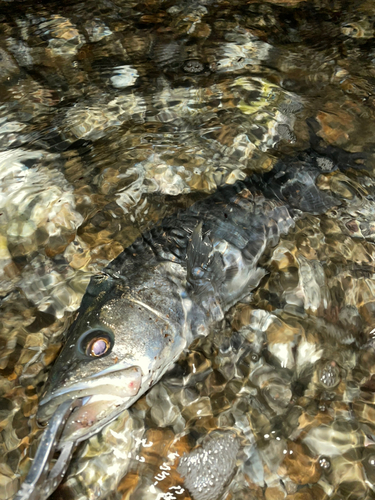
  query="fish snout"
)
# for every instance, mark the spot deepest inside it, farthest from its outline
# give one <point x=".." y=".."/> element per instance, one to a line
<point x="101" y="395"/>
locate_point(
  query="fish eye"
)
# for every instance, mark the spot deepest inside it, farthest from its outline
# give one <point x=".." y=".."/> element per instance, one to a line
<point x="97" y="347"/>
<point x="96" y="343"/>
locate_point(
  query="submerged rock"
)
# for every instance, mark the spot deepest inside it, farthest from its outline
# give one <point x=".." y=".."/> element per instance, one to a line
<point x="207" y="469"/>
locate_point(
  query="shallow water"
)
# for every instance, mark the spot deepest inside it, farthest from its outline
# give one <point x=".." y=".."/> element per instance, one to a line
<point x="115" y="113"/>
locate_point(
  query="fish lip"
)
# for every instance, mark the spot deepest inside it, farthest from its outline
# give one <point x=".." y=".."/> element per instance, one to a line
<point x="115" y="385"/>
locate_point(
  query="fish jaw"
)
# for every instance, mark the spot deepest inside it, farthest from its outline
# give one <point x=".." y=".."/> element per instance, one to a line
<point x="103" y="398"/>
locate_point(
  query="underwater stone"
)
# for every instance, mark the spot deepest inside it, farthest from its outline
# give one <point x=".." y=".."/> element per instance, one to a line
<point x="163" y="412"/>
<point x="368" y="462"/>
<point x="208" y="469"/>
<point x="124" y="76"/>
<point x="193" y="66"/>
<point x="8" y="486"/>
<point x="329" y="374"/>
<point x="324" y="463"/>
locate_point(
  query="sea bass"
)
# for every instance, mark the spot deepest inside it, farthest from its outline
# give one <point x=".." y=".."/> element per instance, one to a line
<point x="169" y="287"/>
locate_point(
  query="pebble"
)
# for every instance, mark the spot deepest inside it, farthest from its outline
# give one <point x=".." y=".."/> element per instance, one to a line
<point x="207" y="469"/>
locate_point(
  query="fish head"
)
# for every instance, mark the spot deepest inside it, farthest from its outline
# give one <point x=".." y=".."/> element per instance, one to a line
<point x="115" y="350"/>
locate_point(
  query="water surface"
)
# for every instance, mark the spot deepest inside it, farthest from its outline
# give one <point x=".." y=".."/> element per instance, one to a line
<point x="116" y="113"/>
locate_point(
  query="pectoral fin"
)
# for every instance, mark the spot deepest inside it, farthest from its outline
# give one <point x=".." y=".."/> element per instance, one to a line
<point x="204" y="273"/>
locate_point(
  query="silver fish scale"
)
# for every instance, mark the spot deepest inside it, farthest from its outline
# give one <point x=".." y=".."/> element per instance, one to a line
<point x="219" y="240"/>
<point x="233" y="214"/>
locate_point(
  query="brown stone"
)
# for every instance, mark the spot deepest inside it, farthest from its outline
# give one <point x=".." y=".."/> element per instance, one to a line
<point x="34" y="340"/>
<point x="128" y="485"/>
<point x="57" y="244"/>
<point x="80" y="260"/>
<point x="307" y="493"/>
<point x="8" y="487"/>
<point x="51" y="353"/>
<point x="202" y="30"/>
<point x="11" y="270"/>
<point x="307" y="421"/>
<point x="30" y="406"/>
<point x="164" y="456"/>
<point x="280" y="332"/>
<point x="274" y="493"/>
<point x="163" y="442"/>
<point x="284" y="255"/>
<point x="33" y="370"/>
<point x="256" y="491"/>
<point x="336" y="125"/>
<point x="26" y="356"/>
<point x="299" y="466"/>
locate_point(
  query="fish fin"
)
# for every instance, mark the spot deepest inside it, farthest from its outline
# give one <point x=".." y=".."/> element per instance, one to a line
<point x="204" y="273"/>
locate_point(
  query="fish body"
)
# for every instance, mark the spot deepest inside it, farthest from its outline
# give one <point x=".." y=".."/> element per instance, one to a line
<point x="168" y="288"/>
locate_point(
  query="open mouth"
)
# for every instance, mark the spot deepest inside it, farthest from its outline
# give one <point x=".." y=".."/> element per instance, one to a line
<point x="100" y="395"/>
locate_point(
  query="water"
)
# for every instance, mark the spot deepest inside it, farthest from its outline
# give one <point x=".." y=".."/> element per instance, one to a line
<point x="115" y="113"/>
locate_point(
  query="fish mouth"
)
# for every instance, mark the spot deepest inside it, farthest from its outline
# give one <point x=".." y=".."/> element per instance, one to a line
<point x="103" y="398"/>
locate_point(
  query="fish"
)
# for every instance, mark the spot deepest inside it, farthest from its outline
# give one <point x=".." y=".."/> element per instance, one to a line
<point x="149" y="304"/>
<point x="173" y="285"/>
